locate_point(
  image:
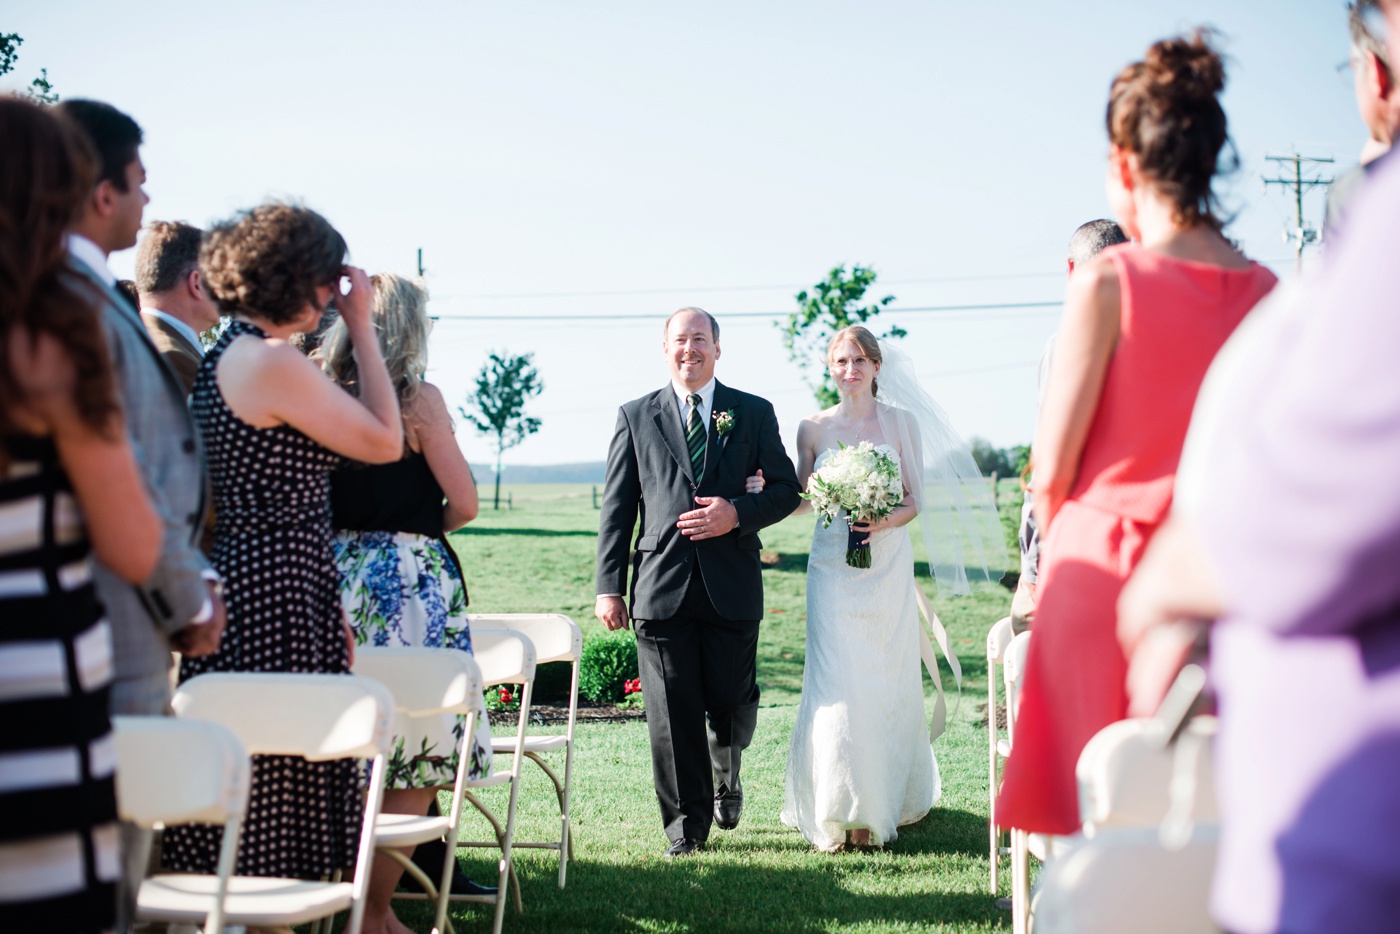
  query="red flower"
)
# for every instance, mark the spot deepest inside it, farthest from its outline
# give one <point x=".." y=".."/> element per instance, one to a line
<point x="505" y="695"/>
<point x="632" y="686"/>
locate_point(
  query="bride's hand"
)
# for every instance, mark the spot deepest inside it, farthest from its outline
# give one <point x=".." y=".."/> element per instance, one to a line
<point x="870" y="528"/>
<point x="755" y="484"/>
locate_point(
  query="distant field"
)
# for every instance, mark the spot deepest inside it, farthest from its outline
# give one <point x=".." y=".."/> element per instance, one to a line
<point x="539" y="557"/>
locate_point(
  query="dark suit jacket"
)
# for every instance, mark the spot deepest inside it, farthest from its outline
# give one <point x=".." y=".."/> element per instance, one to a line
<point x="649" y="477"/>
<point x="175" y="349"/>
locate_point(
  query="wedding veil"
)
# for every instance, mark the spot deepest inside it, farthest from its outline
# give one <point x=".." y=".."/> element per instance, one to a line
<point x="963" y="537"/>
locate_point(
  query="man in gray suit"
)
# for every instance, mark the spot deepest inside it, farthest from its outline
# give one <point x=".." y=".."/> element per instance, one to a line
<point x="179" y="607"/>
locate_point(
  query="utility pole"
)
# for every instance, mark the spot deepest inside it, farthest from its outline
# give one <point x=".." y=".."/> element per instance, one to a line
<point x="421" y="270"/>
<point x="1301" y="234"/>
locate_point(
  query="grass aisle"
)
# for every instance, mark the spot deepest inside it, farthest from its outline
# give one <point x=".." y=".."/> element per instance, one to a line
<point x="538" y="557"/>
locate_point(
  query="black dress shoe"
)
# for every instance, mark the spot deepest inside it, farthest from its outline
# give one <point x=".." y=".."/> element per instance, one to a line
<point x="429" y="857"/>
<point x="685" y="846"/>
<point x="728" y="806"/>
<point x="461" y="884"/>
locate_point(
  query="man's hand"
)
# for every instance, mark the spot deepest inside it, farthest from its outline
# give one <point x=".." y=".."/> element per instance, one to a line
<point x="199" y="639"/>
<point x="611" y="612"/>
<point x="715" y="517"/>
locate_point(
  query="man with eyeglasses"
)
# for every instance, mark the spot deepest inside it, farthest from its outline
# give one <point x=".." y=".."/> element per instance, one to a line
<point x="1377" y="102"/>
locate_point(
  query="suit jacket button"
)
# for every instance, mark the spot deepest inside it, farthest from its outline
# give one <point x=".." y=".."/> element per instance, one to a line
<point x="188" y="445"/>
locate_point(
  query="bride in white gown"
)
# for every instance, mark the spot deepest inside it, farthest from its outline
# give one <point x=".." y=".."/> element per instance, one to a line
<point x="859" y="765"/>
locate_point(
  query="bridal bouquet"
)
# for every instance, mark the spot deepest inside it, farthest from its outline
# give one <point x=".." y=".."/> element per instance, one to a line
<point x="863" y="481"/>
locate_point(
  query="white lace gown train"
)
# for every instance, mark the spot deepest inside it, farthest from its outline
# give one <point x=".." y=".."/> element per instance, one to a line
<point x="860" y="754"/>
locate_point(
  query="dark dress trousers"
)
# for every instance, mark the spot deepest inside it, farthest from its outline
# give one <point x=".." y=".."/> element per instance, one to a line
<point x="696" y="605"/>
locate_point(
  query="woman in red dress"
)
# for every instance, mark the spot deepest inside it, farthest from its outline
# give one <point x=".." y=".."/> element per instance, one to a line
<point x="1142" y="322"/>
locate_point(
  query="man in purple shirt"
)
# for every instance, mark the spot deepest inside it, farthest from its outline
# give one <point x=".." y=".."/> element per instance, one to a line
<point x="1288" y="536"/>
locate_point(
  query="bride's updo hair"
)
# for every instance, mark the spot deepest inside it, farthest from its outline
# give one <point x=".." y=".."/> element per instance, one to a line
<point x="863" y="339"/>
<point x="1166" y="110"/>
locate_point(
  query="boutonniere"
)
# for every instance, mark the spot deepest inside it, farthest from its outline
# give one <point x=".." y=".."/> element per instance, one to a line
<point x="724" y="422"/>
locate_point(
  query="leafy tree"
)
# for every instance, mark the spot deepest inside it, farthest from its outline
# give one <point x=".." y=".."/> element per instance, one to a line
<point x="991" y="460"/>
<point x="832" y="304"/>
<point x="503" y="386"/>
<point x="40" y="90"/>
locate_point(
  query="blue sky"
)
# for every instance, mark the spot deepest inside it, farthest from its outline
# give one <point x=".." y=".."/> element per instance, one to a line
<point x="605" y="162"/>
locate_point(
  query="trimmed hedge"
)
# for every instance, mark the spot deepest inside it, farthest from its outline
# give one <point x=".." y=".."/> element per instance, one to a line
<point x="609" y="660"/>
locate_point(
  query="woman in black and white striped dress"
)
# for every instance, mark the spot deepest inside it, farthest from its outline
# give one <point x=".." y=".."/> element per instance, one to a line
<point x="69" y="488"/>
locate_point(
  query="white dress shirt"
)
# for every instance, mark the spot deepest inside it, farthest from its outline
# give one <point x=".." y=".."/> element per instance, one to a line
<point x="82" y="248"/>
<point x="707" y="398"/>
<point x="181" y="328"/>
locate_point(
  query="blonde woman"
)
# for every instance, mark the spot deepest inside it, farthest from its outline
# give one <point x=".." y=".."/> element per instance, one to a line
<point x="400" y="583"/>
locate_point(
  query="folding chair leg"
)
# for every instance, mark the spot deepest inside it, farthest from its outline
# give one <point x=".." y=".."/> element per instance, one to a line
<point x="992" y="770"/>
<point x="561" y="794"/>
<point x="1020" y="882"/>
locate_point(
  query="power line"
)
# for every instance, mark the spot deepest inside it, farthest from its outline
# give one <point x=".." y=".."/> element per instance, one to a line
<point x="914" y="309"/>
<point x="1300" y="234"/>
<point x="747" y="288"/>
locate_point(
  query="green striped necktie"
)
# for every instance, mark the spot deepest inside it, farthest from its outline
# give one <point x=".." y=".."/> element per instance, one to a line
<point x="695" y="437"/>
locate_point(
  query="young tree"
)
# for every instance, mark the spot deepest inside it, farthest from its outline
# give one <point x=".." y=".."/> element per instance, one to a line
<point x="40" y="90"/>
<point x="503" y="386"/>
<point x="832" y="304"/>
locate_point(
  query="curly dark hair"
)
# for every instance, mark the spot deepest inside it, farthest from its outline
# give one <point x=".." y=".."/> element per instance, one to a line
<point x="269" y="260"/>
<point x="47" y="171"/>
<point x="1166" y="110"/>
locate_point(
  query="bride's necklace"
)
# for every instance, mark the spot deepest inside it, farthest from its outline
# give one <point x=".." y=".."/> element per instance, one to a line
<point x="858" y="428"/>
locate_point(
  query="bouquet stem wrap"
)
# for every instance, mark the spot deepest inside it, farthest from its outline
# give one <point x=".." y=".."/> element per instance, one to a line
<point x="857" y="555"/>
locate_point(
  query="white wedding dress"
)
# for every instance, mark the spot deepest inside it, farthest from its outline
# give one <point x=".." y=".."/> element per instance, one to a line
<point x="860" y="754"/>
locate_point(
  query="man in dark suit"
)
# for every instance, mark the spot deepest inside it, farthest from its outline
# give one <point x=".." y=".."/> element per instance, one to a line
<point x="180" y="606"/>
<point x="175" y="306"/>
<point x="678" y="462"/>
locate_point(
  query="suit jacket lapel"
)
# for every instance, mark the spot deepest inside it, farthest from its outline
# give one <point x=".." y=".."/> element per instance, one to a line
<point x="175" y="336"/>
<point x="723" y="402"/>
<point x="133" y="320"/>
<point x="667" y="418"/>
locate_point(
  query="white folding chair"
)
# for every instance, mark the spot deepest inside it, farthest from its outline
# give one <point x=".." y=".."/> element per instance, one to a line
<point x="427" y="683"/>
<point x="998" y="638"/>
<point x="319" y="717"/>
<point x="504" y="657"/>
<point x="1013" y="672"/>
<point x="1126" y="879"/>
<point x="172" y="771"/>
<point x="556" y="638"/>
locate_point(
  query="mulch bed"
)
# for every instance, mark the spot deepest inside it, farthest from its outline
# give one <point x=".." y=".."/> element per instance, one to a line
<point x="588" y="712"/>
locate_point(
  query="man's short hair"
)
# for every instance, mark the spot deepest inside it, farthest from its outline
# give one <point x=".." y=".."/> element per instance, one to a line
<point x="114" y="135"/>
<point x="1361" y="38"/>
<point x="714" y="325"/>
<point x="1093" y="238"/>
<point x="167" y="254"/>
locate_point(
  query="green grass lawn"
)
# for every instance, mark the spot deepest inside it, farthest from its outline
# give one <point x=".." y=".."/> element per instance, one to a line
<point x="538" y="557"/>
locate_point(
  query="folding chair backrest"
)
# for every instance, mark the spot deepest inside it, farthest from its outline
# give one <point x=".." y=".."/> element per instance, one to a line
<point x="179" y="771"/>
<point x="424" y="682"/>
<point x="1126" y="880"/>
<point x="1014" y="660"/>
<point x="998" y="638"/>
<point x="504" y="656"/>
<point x="1125" y="776"/>
<point x="320" y="717"/>
<point x="556" y="637"/>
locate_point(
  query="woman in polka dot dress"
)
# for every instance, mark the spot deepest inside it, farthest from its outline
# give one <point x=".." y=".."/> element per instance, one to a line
<point x="274" y="427"/>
